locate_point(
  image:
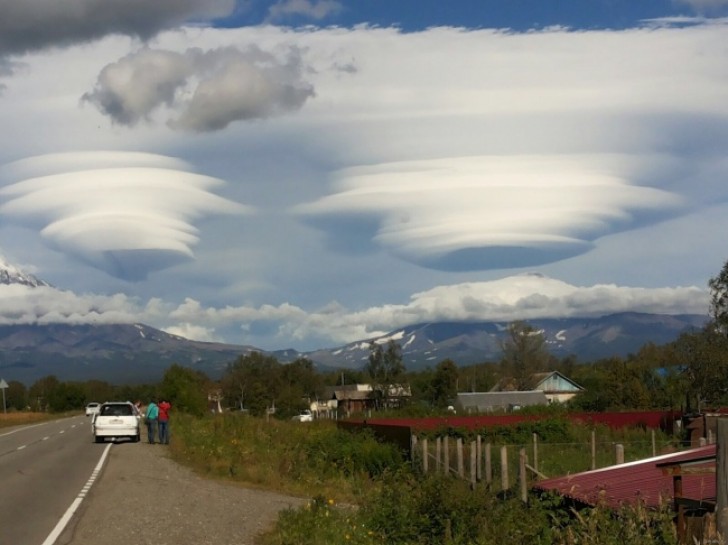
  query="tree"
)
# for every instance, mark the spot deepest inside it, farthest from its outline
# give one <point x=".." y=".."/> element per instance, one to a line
<point x="704" y="357"/>
<point x="186" y="389"/>
<point x="41" y="391"/>
<point x="66" y="396"/>
<point x="719" y="299"/>
<point x="299" y="385"/>
<point x="385" y="368"/>
<point x="253" y="382"/>
<point x="16" y="396"/>
<point x="524" y="353"/>
<point x="444" y="383"/>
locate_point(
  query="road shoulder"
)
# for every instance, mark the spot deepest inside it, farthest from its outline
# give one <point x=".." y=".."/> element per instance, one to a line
<point x="143" y="497"/>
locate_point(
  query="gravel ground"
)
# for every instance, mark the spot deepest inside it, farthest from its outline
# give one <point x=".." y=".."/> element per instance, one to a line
<point x="143" y="497"/>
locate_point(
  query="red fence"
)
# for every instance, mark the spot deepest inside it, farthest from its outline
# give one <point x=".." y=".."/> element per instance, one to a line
<point x="646" y="419"/>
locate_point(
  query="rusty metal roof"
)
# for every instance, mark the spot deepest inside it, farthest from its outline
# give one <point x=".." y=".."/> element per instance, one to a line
<point x="633" y="481"/>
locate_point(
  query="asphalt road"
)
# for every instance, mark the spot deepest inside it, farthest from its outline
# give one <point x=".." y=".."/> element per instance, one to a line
<point x="44" y="468"/>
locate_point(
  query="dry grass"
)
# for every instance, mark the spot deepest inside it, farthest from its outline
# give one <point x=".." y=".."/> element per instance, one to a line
<point x="22" y="418"/>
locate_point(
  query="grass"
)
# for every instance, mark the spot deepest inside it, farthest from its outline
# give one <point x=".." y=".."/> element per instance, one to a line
<point x="291" y="457"/>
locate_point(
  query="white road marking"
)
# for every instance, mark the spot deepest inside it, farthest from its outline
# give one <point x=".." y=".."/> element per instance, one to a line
<point x="22" y="447"/>
<point x="66" y="518"/>
<point x="23" y="428"/>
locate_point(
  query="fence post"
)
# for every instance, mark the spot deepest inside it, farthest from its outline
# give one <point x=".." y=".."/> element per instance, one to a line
<point x="438" y="455"/>
<point x="654" y="444"/>
<point x="479" y="458"/>
<point x="488" y="464"/>
<point x="461" y="461"/>
<point x="593" y="449"/>
<point x="619" y="453"/>
<point x="473" y="464"/>
<point x="535" y="451"/>
<point x="504" y="468"/>
<point x="522" y="461"/>
<point x="721" y="479"/>
<point x="425" y="456"/>
<point x="446" y="455"/>
<point x="413" y="449"/>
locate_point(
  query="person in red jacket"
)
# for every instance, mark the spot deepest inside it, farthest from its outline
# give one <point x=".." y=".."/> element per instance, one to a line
<point x="163" y="421"/>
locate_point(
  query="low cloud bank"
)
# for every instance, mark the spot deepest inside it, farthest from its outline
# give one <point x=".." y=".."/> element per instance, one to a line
<point x="520" y="297"/>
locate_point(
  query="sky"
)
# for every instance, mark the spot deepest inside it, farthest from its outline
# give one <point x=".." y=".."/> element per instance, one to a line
<point x="307" y="173"/>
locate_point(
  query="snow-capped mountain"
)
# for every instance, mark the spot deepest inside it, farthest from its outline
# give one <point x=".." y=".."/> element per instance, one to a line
<point x="467" y="343"/>
<point x="10" y="274"/>
<point x="140" y="353"/>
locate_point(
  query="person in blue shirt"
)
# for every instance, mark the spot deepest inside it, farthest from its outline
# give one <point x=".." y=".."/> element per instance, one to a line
<point x="150" y="417"/>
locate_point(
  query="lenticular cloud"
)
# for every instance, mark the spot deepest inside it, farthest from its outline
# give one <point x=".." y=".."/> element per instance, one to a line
<point x="127" y="214"/>
<point x="490" y="212"/>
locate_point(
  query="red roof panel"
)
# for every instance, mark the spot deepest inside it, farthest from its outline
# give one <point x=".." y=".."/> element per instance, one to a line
<point x="629" y="482"/>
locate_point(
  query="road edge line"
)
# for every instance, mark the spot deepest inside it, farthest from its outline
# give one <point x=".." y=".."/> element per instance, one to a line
<point x="66" y="518"/>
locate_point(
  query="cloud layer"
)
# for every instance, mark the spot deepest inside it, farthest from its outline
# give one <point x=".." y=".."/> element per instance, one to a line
<point x="125" y="213"/>
<point x="520" y="297"/>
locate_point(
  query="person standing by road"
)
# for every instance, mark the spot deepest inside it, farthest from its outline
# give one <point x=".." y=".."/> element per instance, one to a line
<point x="151" y="417"/>
<point x="164" y="407"/>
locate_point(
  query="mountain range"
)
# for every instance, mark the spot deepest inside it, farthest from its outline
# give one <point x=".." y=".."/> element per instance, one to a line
<point x="136" y="353"/>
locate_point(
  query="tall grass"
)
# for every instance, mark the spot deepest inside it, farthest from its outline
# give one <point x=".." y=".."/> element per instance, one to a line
<point x="293" y="457"/>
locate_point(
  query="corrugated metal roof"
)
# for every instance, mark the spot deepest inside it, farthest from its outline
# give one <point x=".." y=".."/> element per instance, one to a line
<point x="629" y="482"/>
<point x="488" y="401"/>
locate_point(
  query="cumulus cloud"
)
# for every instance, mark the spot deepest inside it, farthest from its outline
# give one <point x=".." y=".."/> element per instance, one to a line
<point x="209" y="90"/>
<point x="125" y="213"/>
<point x="33" y="25"/>
<point x="317" y="9"/>
<point x="491" y="212"/>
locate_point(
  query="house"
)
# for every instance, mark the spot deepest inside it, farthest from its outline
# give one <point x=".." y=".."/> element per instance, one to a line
<point x="555" y="386"/>
<point x="484" y="402"/>
<point x="359" y="398"/>
<point x="352" y="398"/>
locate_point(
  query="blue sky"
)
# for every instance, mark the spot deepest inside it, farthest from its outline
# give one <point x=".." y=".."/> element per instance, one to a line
<point x="518" y="15"/>
<point x="308" y="173"/>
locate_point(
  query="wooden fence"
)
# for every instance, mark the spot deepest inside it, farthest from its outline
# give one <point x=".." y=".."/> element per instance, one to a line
<point x="502" y="466"/>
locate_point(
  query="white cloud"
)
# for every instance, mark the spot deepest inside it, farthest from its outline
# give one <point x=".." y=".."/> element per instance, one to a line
<point x="210" y="89"/>
<point x="126" y="220"/>
<point x="493" y="212"/>
<point x="521" y="297"/>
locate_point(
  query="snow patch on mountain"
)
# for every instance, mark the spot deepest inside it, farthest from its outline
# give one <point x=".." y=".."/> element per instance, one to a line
<point x="10" y="274"/>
